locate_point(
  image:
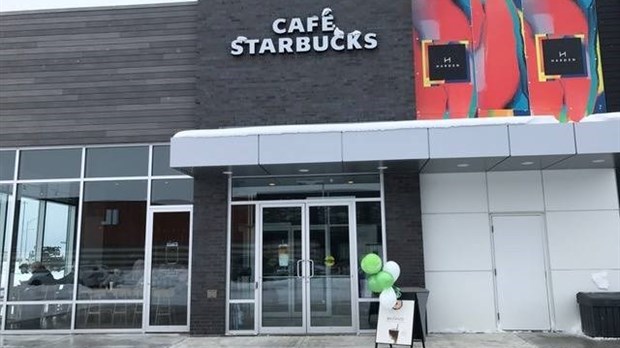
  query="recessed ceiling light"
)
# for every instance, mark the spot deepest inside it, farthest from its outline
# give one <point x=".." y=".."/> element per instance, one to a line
<point x="272" y="184"/>
<point x="527" y="163"/>
<point x="227" y="172"/>
<point x="463" y="165"/>
<point x="382" y="167"/>
<point x="598" y="161"/>
<point x="304" y="170"/>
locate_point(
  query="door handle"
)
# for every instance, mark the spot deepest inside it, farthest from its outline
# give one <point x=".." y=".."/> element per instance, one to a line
<point x="297" y="268"/>
<point x="311" y="268"/>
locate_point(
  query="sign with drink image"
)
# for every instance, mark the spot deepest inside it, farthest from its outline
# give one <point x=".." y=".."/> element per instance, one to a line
<point x="395" y="325"/>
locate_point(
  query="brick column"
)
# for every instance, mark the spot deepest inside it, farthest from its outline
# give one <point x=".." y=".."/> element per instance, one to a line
<point x="403" y="219"/>
<point x="209" y="255"/>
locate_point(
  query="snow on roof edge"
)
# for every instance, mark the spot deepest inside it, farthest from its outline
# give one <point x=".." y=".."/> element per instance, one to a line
<point x="602" y="117"/>
<point x="362" y="127"/>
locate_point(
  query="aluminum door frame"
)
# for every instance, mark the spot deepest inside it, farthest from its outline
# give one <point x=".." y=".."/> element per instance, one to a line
<point x="305" y="205"/>
<point x="148" y="268"/>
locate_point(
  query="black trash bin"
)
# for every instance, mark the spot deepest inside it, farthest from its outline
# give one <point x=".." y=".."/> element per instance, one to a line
<point x="600" y="313"/>
<point x="420" y="296"/>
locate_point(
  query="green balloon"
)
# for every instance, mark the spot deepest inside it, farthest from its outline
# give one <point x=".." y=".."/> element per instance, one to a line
<point x="384" y="280"/>
<point x="373" y="284"/>
<point x="371" y="263"/>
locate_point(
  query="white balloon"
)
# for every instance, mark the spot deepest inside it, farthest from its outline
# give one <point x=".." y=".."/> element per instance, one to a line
<point x="392" y="268"/>
<point x="388" y="298"/>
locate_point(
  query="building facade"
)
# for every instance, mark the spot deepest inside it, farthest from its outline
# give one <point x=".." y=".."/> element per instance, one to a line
<point x="221" y="167"/>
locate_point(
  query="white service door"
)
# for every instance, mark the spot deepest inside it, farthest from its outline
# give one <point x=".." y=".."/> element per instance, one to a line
<point x="521" y="277"/>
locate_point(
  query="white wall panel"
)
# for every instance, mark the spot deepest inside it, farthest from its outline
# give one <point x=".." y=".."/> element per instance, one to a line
<point x="566" y="285"/>
<point x="584" y="239"/>
<point x="453" y="193"/>
<point x="515" y="191"/>
<point x="460" y="301"/>
<point x="456" y="242"/>
<point x="580" y="189"/>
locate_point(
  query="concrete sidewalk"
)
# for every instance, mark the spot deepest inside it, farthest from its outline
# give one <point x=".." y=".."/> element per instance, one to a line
<point x="500" y="340"/>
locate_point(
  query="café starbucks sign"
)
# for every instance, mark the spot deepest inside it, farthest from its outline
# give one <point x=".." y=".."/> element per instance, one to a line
<point x="301" y="35"/>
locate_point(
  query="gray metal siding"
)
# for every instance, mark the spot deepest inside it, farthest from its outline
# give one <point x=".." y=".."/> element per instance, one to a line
<point x="112" y="75"/>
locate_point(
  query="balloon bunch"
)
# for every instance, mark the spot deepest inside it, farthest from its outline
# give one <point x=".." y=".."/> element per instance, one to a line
<point x="381" y="278"/>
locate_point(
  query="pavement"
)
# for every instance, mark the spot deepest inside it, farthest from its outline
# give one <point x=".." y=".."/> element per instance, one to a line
<point x="495" y="340"/>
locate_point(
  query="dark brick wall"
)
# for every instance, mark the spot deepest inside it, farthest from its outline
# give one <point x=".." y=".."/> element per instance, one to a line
<point x="209" y="254"/>
<point x="403" y="217"/>
<point x="368" y="85"/>
<point x="609" y="31"/>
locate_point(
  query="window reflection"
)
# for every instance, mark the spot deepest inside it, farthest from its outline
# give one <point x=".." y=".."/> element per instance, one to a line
<point x="42" y="259"/>
<point x="117" y="161"/>
<point x="7" y="165"/>
<point x="50" y="164"/>
<point x="242" y="252"/>
<point x="112" y="244"/>
<point x="5" y="192"/>
<point x="169" y="268"/>
<point x="369" y="238"/>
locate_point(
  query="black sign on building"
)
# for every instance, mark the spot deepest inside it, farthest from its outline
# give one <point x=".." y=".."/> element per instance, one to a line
<point x="448" y="62"/>
<point x="563" y="57"/>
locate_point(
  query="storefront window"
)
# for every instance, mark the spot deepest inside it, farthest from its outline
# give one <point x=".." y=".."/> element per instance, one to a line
<point x="117" y="161"/>
<point x="50" y="164"/>
<point x="369" y="238"/>
<point x="242" y="252"/>
<point x="39" y="317"/>
<point x="112" y="244"/>
<point x="7" y="165"/>
<point x="172" y="191"/>
<point x="42" y="260"/>
<point x="39" y="239"/>
<point x="6" y="191"/>
<point x="161" y="161"/>
<point x="108" y="316"/>
<point x="241" y="316"/>
<point x="369" y="314"/>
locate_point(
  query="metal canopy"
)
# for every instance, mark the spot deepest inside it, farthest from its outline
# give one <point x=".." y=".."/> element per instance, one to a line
<point x="466" y="145"/>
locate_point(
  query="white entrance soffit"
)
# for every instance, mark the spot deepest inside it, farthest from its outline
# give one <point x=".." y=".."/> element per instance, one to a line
<point x="396" y="140"/>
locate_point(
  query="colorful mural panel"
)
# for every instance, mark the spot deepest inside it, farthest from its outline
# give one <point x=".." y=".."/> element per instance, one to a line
<point x="484" y="58"/>
<point x="501" y="74"/>
<point x="442" y="46"/>
<point x="564" y="69"/>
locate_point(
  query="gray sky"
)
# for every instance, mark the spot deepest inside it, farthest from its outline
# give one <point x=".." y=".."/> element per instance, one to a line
<point x="24" y="5"/>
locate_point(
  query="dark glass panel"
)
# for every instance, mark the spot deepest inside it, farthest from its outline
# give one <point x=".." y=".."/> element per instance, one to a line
<point x="161" y="161"/>
<point x="50" y="164"/>
<point x="242" y="252"/>
<point x="369" y="238"/>
<point x="172" y="191"/>
<point x="117" y="161"/>
<point x="7" y="165"/>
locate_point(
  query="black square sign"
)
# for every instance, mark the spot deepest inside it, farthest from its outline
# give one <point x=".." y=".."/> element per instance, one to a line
<point x="563" y="57"/>
<point x="448" y="62"/>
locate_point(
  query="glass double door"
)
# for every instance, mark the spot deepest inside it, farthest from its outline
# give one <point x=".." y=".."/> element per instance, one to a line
<point x="306" y="279"/>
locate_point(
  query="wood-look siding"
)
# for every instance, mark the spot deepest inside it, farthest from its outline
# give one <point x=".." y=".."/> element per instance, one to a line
<point x="111" y="75"/>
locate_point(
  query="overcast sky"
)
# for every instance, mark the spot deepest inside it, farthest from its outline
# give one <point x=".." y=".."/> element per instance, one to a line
<point x="24" y="5"/>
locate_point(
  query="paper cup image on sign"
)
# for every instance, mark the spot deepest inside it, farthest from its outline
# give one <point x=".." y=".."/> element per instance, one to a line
<point x="393" y="333"/>
<point x="395" y="325"/>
